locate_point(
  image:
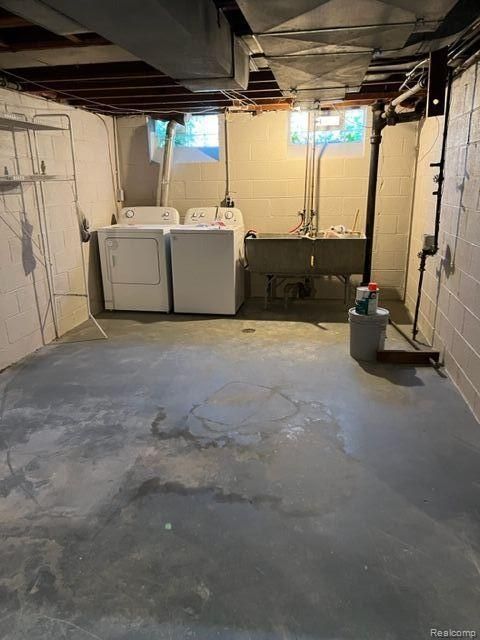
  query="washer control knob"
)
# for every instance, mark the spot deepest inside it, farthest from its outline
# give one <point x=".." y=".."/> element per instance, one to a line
<point x="228" y="215"/>
<point x="129" y="213"/>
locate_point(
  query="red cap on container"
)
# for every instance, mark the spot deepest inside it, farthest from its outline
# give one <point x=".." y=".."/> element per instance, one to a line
<point x="372" y="286"/>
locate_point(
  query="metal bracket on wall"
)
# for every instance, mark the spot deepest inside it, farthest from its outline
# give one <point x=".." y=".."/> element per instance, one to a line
<point x="437" y="82"/>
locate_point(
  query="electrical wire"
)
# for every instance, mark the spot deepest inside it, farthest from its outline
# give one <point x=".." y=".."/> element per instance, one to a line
<point x="247" y="98"/>
<point x="106" y="108"/>
<point x="434" y="142"/>
<point x="227" y="157"/>
<point x="235" y="96"/>
<point x="115" y="184"/>
<point x="411" y="73"/>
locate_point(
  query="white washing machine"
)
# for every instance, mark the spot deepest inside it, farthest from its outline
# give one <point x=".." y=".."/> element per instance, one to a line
<point x="208" y="261"/>
<point x="135" y="259"/>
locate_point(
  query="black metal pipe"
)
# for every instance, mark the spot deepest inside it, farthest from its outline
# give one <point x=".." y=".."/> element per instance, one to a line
<point x="423" y="260"/>
<point x="433" y="249"/>
<point x="441" y="166"/>
<point x="378" y="123"/>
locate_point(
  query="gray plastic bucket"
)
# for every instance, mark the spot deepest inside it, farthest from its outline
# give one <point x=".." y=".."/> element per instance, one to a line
<point x="367" y="334"/>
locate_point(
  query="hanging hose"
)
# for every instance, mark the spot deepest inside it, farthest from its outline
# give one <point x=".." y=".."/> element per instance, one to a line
<point x="251" y="233"/>
<point x="302" y="218"/>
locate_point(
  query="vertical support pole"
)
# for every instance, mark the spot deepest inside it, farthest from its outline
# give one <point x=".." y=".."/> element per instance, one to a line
<point x="378" y="123"/>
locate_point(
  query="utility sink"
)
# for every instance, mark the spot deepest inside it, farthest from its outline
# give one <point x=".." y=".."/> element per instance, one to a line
<point x="293" y="255"/>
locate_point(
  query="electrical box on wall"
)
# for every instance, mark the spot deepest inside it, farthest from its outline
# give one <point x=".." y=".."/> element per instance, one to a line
<point x="327" y="120"/>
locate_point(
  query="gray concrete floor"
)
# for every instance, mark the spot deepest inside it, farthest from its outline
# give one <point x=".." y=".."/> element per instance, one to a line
<point x="198" y="477"/>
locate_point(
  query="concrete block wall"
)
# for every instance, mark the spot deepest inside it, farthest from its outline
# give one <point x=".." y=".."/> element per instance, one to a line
<point x="267" y="184"/>
<point x="26" y="320"/>
<point x="450" y="309"/>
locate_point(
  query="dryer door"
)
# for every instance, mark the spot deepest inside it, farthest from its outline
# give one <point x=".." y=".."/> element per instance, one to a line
<point x="137" y="273"/>
<point x="133" y="260"/>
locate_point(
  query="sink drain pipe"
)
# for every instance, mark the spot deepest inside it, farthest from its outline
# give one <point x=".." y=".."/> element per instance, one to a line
<point x="378" y="123"/>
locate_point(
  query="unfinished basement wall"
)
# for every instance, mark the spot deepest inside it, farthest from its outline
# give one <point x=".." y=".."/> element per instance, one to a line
<point x="26" y="320"/>
<point x="267" y="185"/>
<point x="450" y="308"/>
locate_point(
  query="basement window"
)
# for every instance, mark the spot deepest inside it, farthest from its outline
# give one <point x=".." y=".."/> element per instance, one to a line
<point x="197" y="141"/>
<point x="331" y="126"/>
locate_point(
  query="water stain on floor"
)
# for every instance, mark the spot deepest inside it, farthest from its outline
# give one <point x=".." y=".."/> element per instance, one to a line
<point x="244" y="414"/>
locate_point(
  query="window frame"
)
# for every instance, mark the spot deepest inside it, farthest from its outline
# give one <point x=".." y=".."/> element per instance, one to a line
<point x="330" y="148"/>
<point x="184" y="153"/>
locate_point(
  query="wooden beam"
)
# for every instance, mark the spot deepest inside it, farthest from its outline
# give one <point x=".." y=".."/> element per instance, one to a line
<point x="179" y="95"/>
<point x="85" y="72"/>
<point x="109" y="71"/>
<point x="401" y="356"/>
<point x="361" y="99"/>
<point x="164" y="84"/>
<point x="128" y="87"/>
<point x="135" y="102"/>
<point x="39" y="45"/>
<point x="13" y="22"/>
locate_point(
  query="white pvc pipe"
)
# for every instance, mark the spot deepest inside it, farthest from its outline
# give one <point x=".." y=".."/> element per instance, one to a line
<point x="401" y="98"/>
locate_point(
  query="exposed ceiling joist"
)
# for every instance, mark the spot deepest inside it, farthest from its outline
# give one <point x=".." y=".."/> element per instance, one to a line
<point x="306" y="56"/>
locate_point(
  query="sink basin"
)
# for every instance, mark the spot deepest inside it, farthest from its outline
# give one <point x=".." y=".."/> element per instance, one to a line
<point x="292" y="255"/>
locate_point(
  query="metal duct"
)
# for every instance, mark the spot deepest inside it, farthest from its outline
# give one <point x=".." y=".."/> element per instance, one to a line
<point x="319" y="71"/>
<point x="325" y="44"/>
<point x="38" y="13"/>
<point x="189" y="41"/>
<point x="166" y="174"/>
<point x="284" y="15"/>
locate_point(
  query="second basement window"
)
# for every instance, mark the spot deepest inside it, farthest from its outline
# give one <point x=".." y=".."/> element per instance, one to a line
<point x="197" y="141"/>
<point x="335" y="126"/>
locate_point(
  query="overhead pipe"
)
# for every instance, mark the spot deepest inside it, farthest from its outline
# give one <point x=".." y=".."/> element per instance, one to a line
<point x="167" y="163"/>
<point x="396" y="102"/>
<point x="468" y="63"/>
<point x="422" y="64"/>
<point x="466" y="43"/>
<point x="378" y="124"/>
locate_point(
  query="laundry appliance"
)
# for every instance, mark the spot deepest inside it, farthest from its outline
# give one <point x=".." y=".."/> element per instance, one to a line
<point x="135" y="259"/>
<point x="208" y="261"/>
